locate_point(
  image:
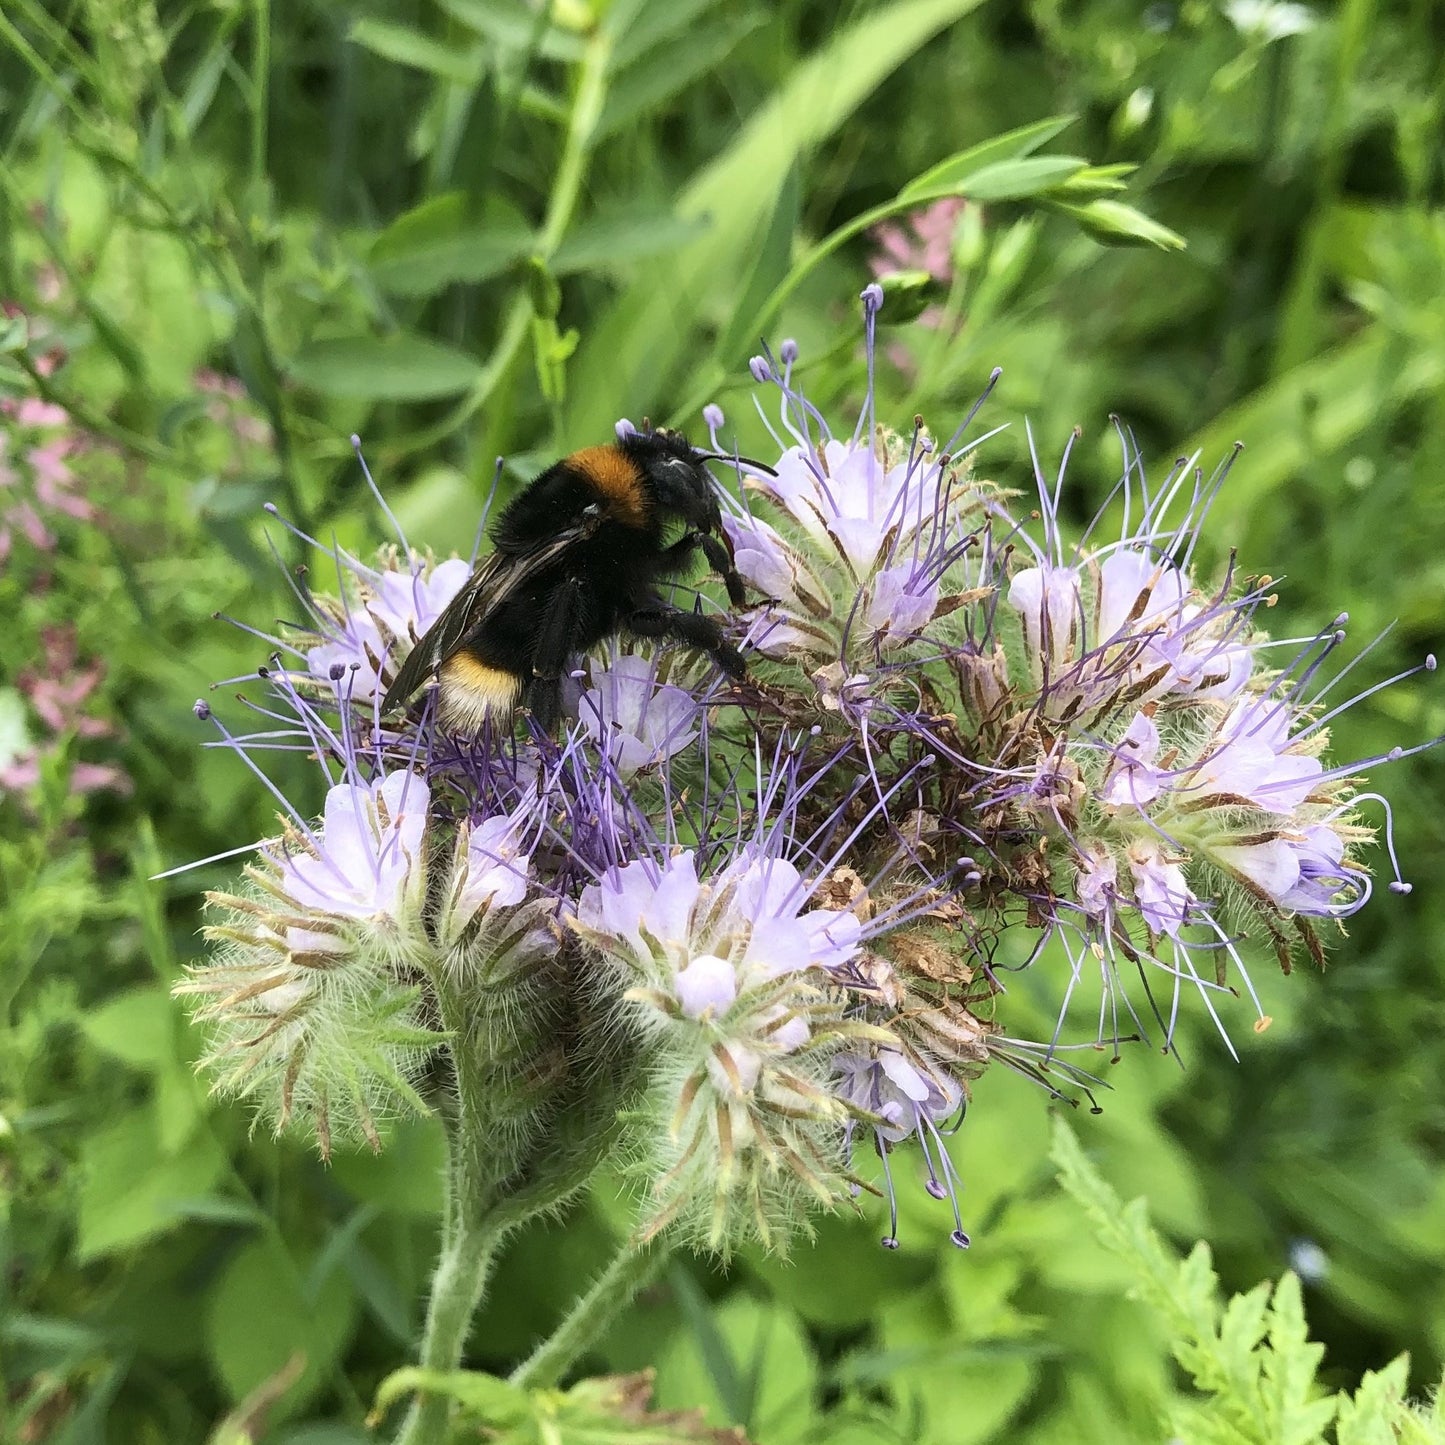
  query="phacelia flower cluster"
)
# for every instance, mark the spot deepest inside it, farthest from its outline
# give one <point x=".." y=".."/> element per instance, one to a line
<point x="719" y="933"/>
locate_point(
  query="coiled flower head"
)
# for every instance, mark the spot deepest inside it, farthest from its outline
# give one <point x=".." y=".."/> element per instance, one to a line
<point x="727" y="974"/>
<point x="311" y="1002"/>
<point x="725" y="931"/>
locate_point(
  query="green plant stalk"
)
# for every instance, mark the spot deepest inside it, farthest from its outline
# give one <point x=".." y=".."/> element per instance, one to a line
<point x="470" y="1239"/>
<point x="634" y="1266"/>
<point x="587" y="104"/>
<point x="260" y="91"/>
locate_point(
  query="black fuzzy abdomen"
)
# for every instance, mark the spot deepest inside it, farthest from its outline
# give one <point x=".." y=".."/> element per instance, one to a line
<point x="606" y="579"/>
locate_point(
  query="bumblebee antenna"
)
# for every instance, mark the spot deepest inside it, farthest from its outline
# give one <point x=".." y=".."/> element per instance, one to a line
<point x="736" y="461"/>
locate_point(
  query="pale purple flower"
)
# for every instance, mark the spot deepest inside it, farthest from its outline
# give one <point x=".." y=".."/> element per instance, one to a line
<point x="905" y="1096"/>
<point x="1132" y="777"/>
<point x="907" y="1099"/>
<point x="491" y="870"/>
<point x="368" y="634"/>
<point x="1253" y="756"/>
<point x="1301" y="872"/>
<point x="859" y="543"/>
<point x="364" y="863"/>
<point x="903" y="600"/>
<point x="752" y="913"/>
<point x="850" y="499"/>
<point x="637" y="719"/>
<point x="1127" y="626"/>
<point x="705" y="983"/>
<point x="1160" y="890"/>
<point x="1096" y="879"/>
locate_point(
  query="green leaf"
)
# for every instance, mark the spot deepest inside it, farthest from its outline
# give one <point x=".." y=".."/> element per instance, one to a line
<point x="1313" y="409"/>
<point x="137" y="1026"/>
<point x="1013" y="145"/>
<point x="400" y="367"/>
<point x="250" y="352"/>
<point x="327" y="1432"/>
<point x="493" y="1401"/>
<point x="646" y="86"/>
<point x="130" y="1190"/>
<point x="772" y="253"/>
<point x="511" y="25"/>
<point x="1367" y="1418"/>
<point x="445" y="241"/>
<point x="1097" y="181"/>
<point x="404" y="1177"/>
<point x="650" y="25"/>
<point x="222" y="1209"/>
<point x="602" y="243"/>
<point x="258" y="1317"/>
<point x="1011" y="180"/>
<point x="640" y="347"/>
<point x="1116" y="223"/>
<point x="405" y="46"/>
<point x="14" y="333"/>
<point x="56" y="1338"/>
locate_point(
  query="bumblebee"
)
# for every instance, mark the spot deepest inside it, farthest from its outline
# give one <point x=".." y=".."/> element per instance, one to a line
<point x="578" y="556"/>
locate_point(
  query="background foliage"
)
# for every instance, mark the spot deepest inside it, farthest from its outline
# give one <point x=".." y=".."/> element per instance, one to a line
<point x="231" y="237"/>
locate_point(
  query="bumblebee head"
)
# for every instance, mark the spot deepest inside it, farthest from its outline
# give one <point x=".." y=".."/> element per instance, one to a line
<point x="675" y="476"/>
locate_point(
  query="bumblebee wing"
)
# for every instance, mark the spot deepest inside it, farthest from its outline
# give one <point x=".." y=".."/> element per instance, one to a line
<point x="461" y="616"/>
<point x="498" y="576"/>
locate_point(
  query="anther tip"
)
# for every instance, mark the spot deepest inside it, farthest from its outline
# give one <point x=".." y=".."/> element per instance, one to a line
<point x="1401" y="887"/>
<point x="1430" y="663"/>
<point x="788" y="350"/>
<point x="872" y="297"/>
<point x="271" y="508"/>
<point x="355" y="441"/>
<point x="959" y="1239"/>
<point x="202" y="709"/>
<point x="712" y="415"/>
<point x="889" y="1241"/>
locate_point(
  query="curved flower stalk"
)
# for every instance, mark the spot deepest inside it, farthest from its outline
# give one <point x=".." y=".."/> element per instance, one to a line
<point x="1119" y="749"/>
<point x="405" y="921"/>
<point x="871" y="542"/>
<point x="308" y="1002"/>
<point x="725" y="975"/>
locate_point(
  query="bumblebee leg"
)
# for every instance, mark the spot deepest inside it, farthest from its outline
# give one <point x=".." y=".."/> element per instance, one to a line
<point x="703" y="633"/>
<point x="675" y="555"/>
<point x="718" y="558"/>
<point x="542" y="692"/>
<point x="721" y="561"/>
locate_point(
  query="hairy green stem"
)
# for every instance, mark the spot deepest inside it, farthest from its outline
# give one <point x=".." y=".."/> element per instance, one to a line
<point x="469" y="1248"/>
<point x="634" y="1266"/>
